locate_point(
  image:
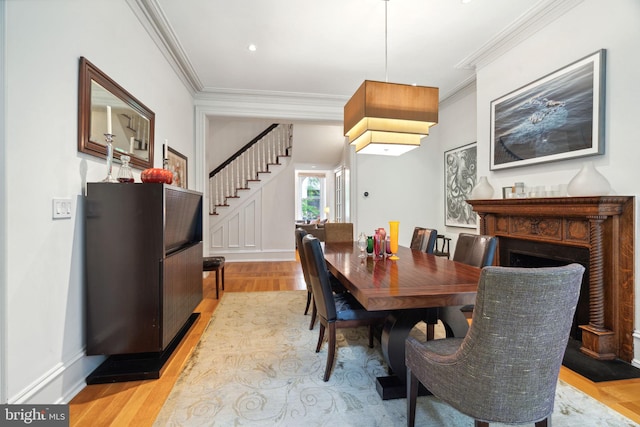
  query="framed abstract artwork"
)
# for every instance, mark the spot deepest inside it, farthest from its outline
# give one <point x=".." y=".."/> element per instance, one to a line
<point x="556" y="117"/>
<point x="177" y="164"/>
<point x="460" y="176"/>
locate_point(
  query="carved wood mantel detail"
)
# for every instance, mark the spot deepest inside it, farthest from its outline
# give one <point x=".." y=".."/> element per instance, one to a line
<point x="605" y="226"/>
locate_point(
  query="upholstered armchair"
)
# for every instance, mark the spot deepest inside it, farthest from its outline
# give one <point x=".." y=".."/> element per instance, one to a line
<point x="506" y="368"/>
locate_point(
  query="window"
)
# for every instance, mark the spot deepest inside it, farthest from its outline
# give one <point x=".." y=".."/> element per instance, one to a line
<point x="311" y="196"/>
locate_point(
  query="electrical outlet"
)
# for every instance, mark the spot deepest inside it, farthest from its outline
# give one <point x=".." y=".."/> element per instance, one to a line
<point x="61" y="208"/>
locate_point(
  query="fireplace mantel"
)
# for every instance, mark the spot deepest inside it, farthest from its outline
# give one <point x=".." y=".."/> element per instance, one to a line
<point x="602" y="224"/>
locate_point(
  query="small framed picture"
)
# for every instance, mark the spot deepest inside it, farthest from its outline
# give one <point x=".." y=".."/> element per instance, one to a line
<point x="507" y="192"/>
<point x="177" y="164"/>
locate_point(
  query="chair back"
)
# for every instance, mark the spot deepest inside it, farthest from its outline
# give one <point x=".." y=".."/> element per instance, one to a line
<point x="516" y="342"/>
<point x="319" y="278"/>
<point x="475" y="250"/>
<point x="300" y="233"/>
<point x="424" y="239"/>
<point x="338" y="232"/>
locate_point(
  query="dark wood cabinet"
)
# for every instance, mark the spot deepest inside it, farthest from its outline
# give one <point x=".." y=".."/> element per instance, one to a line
<point x="143" y="268"/>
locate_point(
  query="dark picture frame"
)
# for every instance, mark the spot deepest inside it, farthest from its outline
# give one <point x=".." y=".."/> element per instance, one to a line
<point x="177" y="163"/>
<point x="559" y="116"/>
<point x="460" y="176"/>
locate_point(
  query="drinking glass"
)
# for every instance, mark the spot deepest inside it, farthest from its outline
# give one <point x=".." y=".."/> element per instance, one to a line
<point x="362" y="245"/>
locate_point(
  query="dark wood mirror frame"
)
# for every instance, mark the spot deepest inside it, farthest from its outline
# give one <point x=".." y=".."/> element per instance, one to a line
<point x="89" y="74"/>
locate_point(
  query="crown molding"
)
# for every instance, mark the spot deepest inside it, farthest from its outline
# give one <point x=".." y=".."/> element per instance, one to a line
<point x="539" y="16"/>
<point x="271" y="104"/>
<point x="157" y="25"/>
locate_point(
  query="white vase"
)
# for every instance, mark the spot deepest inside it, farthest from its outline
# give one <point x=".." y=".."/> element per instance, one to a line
<point x="588" y="182"/>
<point x="482" y="190"/>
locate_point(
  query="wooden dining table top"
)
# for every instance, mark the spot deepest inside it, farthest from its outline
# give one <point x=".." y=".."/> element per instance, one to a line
<point x="415" y="280"/>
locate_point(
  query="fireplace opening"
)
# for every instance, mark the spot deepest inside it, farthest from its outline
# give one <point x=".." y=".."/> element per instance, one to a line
<point x="525" y="253"/>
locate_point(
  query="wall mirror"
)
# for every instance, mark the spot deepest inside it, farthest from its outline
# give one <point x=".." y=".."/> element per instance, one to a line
<point x="132" y="123"/>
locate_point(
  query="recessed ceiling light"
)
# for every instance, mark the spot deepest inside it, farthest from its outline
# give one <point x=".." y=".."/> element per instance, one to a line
<point x="252" y="47"/>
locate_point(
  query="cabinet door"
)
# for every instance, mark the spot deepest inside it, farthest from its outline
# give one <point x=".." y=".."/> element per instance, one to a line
<point x="182" y="289"/>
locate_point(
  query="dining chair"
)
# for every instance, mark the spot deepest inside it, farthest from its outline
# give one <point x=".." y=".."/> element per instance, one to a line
<point x="300" y="233"/>
<point x="424" y="239"/>
<point x="336" y="286"/>
<point x="338" y="232"/>
<point x="334" y="310"/>
<point x="477" y="251"/>
<point x="506" y="368"/>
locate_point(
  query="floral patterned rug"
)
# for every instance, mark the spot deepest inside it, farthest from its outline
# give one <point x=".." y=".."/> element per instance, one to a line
<point x="256" y="366"/>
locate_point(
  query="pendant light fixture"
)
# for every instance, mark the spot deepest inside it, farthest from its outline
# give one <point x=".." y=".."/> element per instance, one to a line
<point x="389" y="118"/>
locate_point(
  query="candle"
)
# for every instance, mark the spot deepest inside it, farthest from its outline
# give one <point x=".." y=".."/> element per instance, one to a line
<point x="131" y="144"/>
<point x="109" y="120"/>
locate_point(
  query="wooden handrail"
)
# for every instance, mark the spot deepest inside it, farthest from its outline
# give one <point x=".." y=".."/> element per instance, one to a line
<point x="243" y="149"/>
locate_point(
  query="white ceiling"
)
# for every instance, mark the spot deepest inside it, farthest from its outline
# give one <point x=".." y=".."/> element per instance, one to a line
<point x="329" y="47"/>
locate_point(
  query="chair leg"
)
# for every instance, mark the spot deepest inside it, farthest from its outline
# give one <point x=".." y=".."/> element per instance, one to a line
<point x="306" y="309"/>
<point x="371" y="336"/>
<point x="431" y="331"/>
<point x="332" y="351"/>
<point x="412" y="395"/>
<point x="222" y="277"/>
<point x="314" y="314"/>
<point x="217" y="283"/>
<point x="320" y="337"/>
<point x="544" y="423"/>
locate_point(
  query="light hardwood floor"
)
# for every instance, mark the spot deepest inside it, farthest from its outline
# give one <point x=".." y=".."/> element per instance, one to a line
<point x="137" y="403"/>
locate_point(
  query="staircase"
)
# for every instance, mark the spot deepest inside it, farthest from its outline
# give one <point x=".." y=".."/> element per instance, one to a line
<point x="227" y="181"/>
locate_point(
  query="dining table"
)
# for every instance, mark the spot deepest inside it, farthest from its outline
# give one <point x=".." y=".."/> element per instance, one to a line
<point x="411" y="288"/>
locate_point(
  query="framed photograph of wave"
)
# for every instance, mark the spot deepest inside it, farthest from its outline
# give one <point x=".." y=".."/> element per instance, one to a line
<point x="556" y="117"/>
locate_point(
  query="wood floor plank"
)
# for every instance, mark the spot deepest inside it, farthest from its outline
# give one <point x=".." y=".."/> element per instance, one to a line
<point x="138" y="403"/>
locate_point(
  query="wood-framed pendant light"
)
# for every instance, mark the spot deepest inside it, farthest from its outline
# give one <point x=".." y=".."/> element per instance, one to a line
<point x="389" y="118"/>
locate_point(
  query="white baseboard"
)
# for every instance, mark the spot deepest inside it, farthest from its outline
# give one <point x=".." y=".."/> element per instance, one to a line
<point x="263" y="255"/>
<point x="61" y="383"/>
<point x="636" y="349"/>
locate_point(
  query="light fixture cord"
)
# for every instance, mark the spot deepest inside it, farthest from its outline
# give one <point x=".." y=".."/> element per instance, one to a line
<point x="386" y="58"/>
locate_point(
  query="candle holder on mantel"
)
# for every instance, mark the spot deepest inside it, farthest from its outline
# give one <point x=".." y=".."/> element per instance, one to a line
<point x="108" y="137"/>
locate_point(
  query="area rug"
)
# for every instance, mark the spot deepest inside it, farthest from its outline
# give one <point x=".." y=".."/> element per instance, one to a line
<point x="256" y="366"/>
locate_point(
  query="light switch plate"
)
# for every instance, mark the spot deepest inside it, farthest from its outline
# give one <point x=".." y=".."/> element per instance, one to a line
<point x="61" y="208"/>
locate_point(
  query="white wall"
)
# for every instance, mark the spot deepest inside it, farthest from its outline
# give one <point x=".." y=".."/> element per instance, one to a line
<point x="457" y="128"/>
<point x="410" y="188"/>
<point x="586" y="29"/>
<point x="3" y="205"/>
<point x="44" y="350"/>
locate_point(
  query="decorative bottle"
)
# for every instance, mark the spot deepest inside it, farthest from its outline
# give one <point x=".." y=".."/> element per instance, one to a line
<point x="125" y="174"/>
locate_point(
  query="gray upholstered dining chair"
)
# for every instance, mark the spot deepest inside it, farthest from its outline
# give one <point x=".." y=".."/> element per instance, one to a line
<point x="423" y="239"/>
<point x="336" y="286"/>
<point x="334" y="310"/>
<point x="506" y="368"/>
